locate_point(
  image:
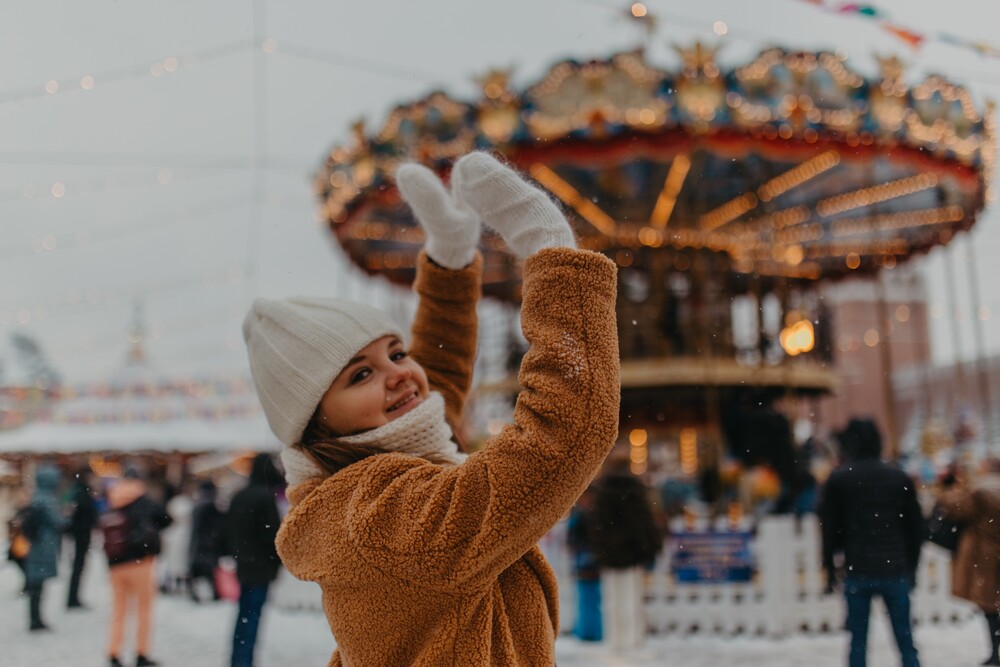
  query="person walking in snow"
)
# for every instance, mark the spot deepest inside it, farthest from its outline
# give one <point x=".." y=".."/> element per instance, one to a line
<point x="82" y="522"/>
<point x="175" y="551"/>
<point x="625" y="539"/>
<point x="251" y="525"/>
<point x="588" y="626"/>
<point x="975" y="566"/>
<point x="869" y="512"/>
<point x="425" y="555"/>
<point x="131" y="529"/>
<point x="208" y="540"/>
<point x="44" y="525"/>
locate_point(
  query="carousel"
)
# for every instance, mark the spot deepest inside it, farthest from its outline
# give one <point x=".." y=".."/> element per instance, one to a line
<point x="727" y="197"/>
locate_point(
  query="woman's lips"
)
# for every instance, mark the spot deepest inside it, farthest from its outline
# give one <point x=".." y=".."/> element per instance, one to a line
<point x="405" y="405"/>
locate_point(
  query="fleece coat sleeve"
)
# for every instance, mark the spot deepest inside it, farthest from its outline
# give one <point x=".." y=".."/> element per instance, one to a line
<point x="445" y="329"/>
<point x="451" y="527"/>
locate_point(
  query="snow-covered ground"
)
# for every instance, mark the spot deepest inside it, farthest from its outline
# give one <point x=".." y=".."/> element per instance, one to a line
<point x="190" y="635"/>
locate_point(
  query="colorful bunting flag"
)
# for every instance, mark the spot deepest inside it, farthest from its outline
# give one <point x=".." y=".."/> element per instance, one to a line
<point x="912" y="38"/>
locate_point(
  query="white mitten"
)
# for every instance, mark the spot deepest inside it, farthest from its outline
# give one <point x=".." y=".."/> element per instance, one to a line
<point x="524" y="216"/>
<point x="452" y="228"/>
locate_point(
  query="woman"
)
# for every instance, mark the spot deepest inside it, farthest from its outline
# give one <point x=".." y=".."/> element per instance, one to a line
<point x="45" y="533"/>
<point x="975" y="567"/>
<point x="424" y="555"/>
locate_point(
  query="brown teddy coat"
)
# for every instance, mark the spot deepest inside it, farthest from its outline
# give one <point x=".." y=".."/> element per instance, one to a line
<point x="975" y="567"/>
<point x="423" y="564"/>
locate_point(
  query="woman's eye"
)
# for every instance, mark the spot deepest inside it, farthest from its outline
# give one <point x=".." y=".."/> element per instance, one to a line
<point x="360" y="375"/>
<point x="400" y="355"/>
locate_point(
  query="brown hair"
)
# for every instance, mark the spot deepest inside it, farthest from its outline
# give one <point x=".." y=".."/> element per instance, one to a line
<point x="324" y="447"/>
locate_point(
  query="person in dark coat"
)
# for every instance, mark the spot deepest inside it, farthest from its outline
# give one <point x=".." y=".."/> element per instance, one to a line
<point x="624" y="539"/>
<point x="869" y="513"/>
<point x="588" y="626"/>
<point x="251" y="525"/>
<point x="45" y="534"/>
<point x="207" y="539"/>
<point x="82" y="522"/>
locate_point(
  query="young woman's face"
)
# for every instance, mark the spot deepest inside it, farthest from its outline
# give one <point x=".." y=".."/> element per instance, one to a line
<point x="381" y="383"/>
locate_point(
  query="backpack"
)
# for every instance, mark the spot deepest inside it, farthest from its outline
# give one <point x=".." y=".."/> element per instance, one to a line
<point x="126" y="537"/>
<point x="115" y="528"/>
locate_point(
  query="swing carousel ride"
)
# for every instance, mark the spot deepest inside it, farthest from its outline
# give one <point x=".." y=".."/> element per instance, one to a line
<point x="726" y="197"/>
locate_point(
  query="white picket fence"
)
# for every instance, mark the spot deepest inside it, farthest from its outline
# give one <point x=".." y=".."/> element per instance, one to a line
<point x="785" y="597"/>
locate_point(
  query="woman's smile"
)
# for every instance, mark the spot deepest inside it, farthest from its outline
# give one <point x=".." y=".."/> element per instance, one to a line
<point x="405" y="403"/>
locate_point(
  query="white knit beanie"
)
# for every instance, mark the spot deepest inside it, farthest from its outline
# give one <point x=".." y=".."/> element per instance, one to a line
<point x="298" y="346"/>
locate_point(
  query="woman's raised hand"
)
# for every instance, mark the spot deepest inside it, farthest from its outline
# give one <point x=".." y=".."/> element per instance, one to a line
<point x="451" y="226"/>
<point x="524" y="216"/>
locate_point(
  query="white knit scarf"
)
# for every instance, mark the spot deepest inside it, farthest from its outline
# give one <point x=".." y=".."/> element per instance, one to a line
<point x="421" y="432"/>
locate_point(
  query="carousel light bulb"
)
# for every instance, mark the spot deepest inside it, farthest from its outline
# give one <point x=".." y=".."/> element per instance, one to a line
<point x="87" y="82"/>
<point x="720" y="28"/>
<point x="170" y="64"/>
<point x="52" y="87"/>
<point x="58" y="190"/>
<point x="639" y="10"/>
<point x="270" y="45"/>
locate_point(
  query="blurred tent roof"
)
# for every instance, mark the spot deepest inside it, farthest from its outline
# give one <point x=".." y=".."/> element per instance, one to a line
<point x="140" y="409"/>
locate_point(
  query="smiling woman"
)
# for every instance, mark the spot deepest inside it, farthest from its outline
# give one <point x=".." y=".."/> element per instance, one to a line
<point x="426" y="555"/>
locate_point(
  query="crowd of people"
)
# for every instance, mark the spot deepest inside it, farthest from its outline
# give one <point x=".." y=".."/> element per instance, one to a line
<point x="150" y="547"/>
<point x="874" y="521"/>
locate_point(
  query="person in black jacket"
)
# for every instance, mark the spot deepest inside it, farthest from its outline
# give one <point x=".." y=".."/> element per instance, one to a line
<point x="207" y="540"/>
<point x="869" y="513"/>
<point x="624" y="539"/>
<point x="251" y="526"/>
<point x="82" y="522"/>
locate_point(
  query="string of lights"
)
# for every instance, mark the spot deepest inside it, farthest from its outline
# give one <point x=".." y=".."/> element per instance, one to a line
<point x="159" y="68"/>
<point x="114" y="183"/>
<point x="369" y="65"/>
<point x="171" y="64"/>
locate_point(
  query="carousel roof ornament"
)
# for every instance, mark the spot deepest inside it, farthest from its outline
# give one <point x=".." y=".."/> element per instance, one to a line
<point x="790" y="166"/>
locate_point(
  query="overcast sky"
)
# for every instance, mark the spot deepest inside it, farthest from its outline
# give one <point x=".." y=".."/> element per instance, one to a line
<point x="141" y="186"/>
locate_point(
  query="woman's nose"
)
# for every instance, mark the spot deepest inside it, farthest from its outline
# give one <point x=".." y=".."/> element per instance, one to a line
<point x="398" y="374"/>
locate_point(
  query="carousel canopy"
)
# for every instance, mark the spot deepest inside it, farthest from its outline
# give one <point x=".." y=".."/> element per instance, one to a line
<point x="789" y="166"/>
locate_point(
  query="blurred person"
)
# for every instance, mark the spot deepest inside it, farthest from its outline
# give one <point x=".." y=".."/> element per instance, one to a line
<point x="869" y="512"/>
<point x="208" y="537"/>
<point x="625" y="540"/>
<point x="175" y="556"/>
<point x="586" y="571"/>
<point x="251" y="525"/>
<point x="43" y="526"/>
<point x="131" y="528"/>
<point x="82" y="521"/>
<point x="975" y="566"/>
<point x="426" y="556"/>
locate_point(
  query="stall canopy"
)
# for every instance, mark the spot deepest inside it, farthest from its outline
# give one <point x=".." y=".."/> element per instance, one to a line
<point x="140" y="409"/>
